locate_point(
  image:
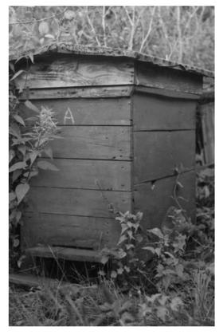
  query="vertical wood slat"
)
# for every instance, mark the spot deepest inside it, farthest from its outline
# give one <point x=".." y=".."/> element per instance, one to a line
<point x="154" y="199"/>
<point x="158" y="154"/>
<point x="162" y="113"/>
<point x="207" y="117"/>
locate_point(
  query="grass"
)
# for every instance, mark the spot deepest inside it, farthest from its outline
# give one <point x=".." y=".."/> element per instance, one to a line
<point x="94" y="300"/>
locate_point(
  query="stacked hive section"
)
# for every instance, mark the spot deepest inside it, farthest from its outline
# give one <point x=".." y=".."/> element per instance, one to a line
<point x="127" y="143"/>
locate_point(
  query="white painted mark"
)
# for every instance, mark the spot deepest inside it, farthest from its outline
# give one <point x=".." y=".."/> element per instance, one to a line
<point x="68" y="116"/>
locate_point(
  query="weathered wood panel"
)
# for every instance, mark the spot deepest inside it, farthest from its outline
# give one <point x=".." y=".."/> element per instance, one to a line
<point x="157" y="154"/>
<point x="77" y="202"/>
<point x="87" y="111"/>
<point x="86" y="174"/>
<point x="207" y="118"/>
<point x="93" y="142"/>
<point x="74" y="71"/>
<point x="166" y="93"/>
<point x="154" y="199"/>
<point x="79" y="92"/>
<point x="69" y="231"/>
<point x="168" y="78"/>
<point x="159" y="113"/>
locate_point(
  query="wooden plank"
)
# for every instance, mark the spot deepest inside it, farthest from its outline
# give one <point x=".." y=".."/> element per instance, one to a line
<point x="207" y="117"/>
<point x="159" y="113"/>
<point x="69" y="231"/>
<point x="76" y="93"/>
<point x="66" y="253"/>
<point x="166" y="78"/>
<point x="156" y="91"/>
<point x="93" y="142"/>
<point x="74" y="71"/>
<point x="86" y="111"/>
<point x="77" y="202"/>
<point x="35" y="281"/>
<point x="86" y="174"/>
<point x="158" y="154"/>
<point x="31" y="281"/>
<point x="154" y="199"/>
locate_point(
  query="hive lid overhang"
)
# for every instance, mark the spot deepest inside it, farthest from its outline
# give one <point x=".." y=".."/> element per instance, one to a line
<point x="70" y="48"/>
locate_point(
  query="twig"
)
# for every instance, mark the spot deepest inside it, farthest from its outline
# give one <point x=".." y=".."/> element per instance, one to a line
<point x="103" y="25"/>
<point x="149" y="30"/>
<point x="180" y="54"/>
<point x="133" y="29"/>
<point x="44" y="19"/>
<point x="92" y="28"/>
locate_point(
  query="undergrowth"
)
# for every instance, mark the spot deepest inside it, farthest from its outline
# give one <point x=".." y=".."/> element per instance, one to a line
<point x="162" y="277"/>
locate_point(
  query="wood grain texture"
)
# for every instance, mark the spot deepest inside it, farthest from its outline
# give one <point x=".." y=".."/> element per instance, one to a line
<point x="155" y="91"/>
<point x="86" y="111"/>
<point x="167" y="78"/>
<point x="77" y="92"/>
<point x="159" y="113"/>
<point x="157" y="154"/>
<point x="77" y="202"/>
<point x="93" y="142"/>
<point x="69" y="231"/>
<point x="74" y="71"/>
<point x="207" y="118"/>
<point x="86" y="174"/>
<point x="155" y="199"/>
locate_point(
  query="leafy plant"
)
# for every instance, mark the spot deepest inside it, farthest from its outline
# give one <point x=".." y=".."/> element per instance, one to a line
<point x="28" y="140"/>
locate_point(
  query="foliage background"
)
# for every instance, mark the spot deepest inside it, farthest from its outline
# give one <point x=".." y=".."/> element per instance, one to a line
<point x="184" y="34"/>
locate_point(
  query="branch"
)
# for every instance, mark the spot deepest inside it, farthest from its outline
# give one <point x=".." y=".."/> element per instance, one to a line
<point x="44" y="19"/>
<point x="180" y="54"/>
<point x="149" y="30"/>
<point x="103" y="25"/>
<point x="133" y="30"/>
<point x="92" y="28"/>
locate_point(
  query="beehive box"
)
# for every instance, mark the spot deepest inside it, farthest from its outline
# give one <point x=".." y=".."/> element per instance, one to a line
<point x="128" y="126"/>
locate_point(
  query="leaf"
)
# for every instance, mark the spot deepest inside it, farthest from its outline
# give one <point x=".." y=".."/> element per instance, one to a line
<point x="11" y="155"/>
<point x="22" y="149"/>
<point x="122" y="239"/>
<point x="19" y="119"/>
<point x="16" y="174"/>
<point x="120" y="271"/>
<point x="33" y="155"/>
<point x="179" y="270"/>
<point x="46" y="166"/>
<point x="30" y="105"/>
<point x="12" y="196"/>
<point x="69" y="14"/>
<point x="48" y="152"/>
<point x="150" y="249"/>
<point x="176" y="303"/>
<point x="104" y="259"/>
<point x="17" y="74"/>
<point x="49" y="36"/>
<point x="121" y="254"/>
<point x="21" y="190"/>
<point x="161" y="313"/>
<point x="101" y="273"/>
<point x="124" y="228"/>
<point x="31" y="57"/>
<point x="43" y="28"/>
<point x="16" y="166"/>
<point x="15" y="243"/>
<point x="113" y="274"/>
<point x="157" y="232"/>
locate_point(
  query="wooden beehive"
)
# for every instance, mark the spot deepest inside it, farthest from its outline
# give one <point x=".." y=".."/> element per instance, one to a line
<point x="128" y="137"/>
